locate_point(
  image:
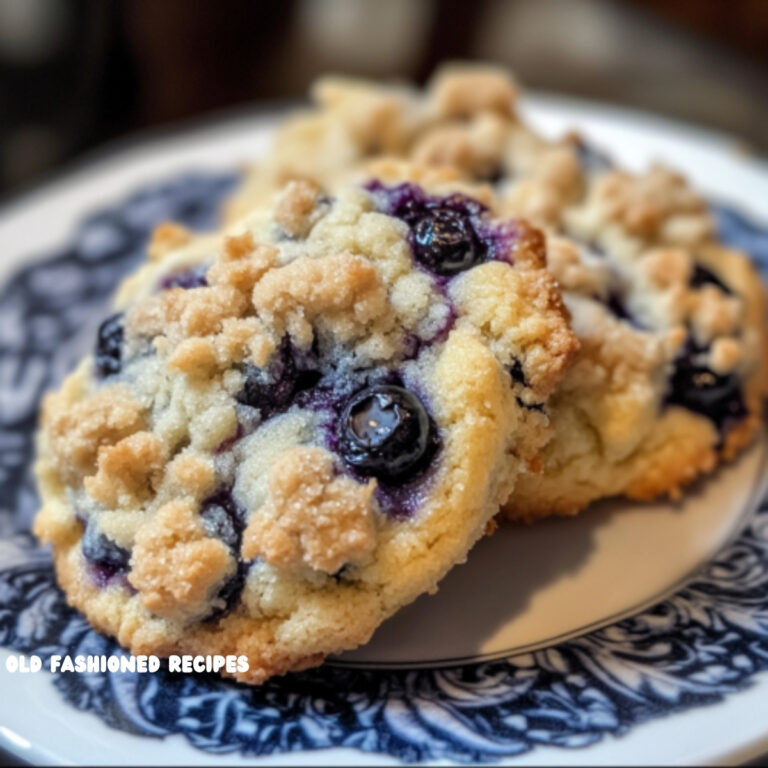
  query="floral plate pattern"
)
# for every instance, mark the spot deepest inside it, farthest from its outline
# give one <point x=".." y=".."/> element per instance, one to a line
<point x="704" y="643"/>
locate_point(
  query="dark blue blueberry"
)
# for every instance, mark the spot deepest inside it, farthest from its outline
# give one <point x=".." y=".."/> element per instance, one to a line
<point x="695" y="387"/>
<point x="269" y="389"/>
<point x="385" y="431"/>
<point x="103" y="553"/>
<point x="222" y="519"/>
<point x="444" y="230"/>
<point x="109" y="345"/>
<point x="445" y="242"/>
<point x="194" y="277"/>
<point x="273" y="389"/>
<point x="702" y="276"/>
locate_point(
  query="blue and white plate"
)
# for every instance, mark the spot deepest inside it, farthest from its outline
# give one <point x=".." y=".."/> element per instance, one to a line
<point x="635" y="633"/>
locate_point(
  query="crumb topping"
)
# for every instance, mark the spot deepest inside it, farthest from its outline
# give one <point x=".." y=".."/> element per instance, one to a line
<point x="499" y="300"/>
<point x="656" y="206"/>
<point x="476" y="147"/>
<point x="296" y="207"/>
<point x="174" y="566"/>
<point x="341" y="292"/>
<point x="128" y="472"/>
<point x="573" y="271"/>
<point x="191" y="476"/>
<point x="312" y="516"/>
<point x="465" y="91"/>
<point x="77" y="429"/>
<point x="376" y="121"/>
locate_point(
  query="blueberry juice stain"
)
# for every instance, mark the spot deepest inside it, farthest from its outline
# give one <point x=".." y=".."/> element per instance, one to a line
<point x="192" y="277"/>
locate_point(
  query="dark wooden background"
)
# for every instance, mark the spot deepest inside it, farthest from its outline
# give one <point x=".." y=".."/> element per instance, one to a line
<point x="77" y="73"/>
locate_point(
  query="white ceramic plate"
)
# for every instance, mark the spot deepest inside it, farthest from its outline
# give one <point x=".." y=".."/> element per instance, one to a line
<point x="509" y="661"/>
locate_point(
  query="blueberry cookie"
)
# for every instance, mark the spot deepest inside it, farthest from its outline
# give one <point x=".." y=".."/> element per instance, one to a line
<point x="671" y="374"/>
<point x="292" y="428"/>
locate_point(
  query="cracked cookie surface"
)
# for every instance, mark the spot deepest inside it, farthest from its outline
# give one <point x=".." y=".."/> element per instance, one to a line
<point x="291" y="428"/>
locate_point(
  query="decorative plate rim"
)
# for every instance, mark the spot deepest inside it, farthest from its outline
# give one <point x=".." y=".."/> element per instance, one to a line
<point x="757" y="495"/>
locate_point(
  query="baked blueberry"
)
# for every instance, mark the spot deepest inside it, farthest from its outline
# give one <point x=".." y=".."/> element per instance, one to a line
<point x="445" y="242"/>
<point x="104" y="553"/>
<point x="385" y="431"/>
<point x="696" y="387"/>
<point x="109" y="345"/>
<point x="272" y="389"/>
<point x="222" y="520"/>
<point x="444" y="236"/>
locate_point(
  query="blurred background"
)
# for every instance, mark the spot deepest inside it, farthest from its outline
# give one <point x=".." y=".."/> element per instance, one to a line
<point x="75" y="74"/>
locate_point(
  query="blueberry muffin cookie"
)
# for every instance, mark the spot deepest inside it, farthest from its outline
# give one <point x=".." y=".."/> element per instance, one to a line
<point x="292" y="428"/>
<point x="671" y="374"/>
<point x="670" y="377"/>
